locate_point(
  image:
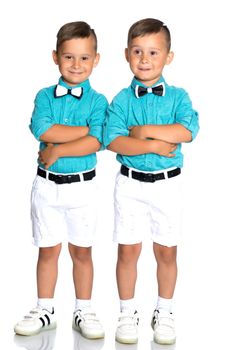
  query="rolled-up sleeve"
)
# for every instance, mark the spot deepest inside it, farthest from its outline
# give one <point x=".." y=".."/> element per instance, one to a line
<point x="41" y="119"/>
<point x="186" y="115"/>
<point x="115" y="124"/>
<point x="97" y="118"/>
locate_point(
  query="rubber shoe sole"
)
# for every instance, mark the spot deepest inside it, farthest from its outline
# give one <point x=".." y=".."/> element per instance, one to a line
<point x="19" y="331"/>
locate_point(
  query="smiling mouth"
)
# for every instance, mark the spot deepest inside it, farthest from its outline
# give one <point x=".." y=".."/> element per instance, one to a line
<point x="76" y="72"/>
<point x="144" y="69"/>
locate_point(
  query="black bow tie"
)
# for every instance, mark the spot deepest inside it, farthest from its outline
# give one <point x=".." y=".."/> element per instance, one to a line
<point x="157" y="90"/>
<point x="62" y="91"/>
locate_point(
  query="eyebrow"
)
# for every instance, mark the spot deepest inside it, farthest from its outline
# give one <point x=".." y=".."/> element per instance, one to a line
<point x="150" y="48"/>
<point x="72" y="54"/>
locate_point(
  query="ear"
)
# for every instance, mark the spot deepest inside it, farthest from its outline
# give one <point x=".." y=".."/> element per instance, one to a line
<point x="170" y="57"/>
<point x="127" y="54"/>
<point x="55" y="57"/>
<point x="96" y="60"/>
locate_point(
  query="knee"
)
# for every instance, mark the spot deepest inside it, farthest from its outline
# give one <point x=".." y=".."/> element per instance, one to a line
<point x="80" y="255"/>
<point x="166" y="255"/>
<point x="49" y="253"/>
<point x="128" y="254"/>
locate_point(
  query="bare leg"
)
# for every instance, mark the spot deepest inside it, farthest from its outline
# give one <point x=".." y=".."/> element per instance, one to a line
<point x="82" y="271"/>
<point x="47" y="271"/>
<point x="126" y="270"/>
<point x="166" y="269"/>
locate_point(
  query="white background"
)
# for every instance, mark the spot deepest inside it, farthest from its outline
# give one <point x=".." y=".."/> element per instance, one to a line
<point x="202" y="42"/>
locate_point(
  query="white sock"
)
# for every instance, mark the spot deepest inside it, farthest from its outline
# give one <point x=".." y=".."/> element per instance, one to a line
<point x="46" y="303"/>
<point x="165" y="304"/>
<point x="81" y="304"/>
<point x="127" y="305"/>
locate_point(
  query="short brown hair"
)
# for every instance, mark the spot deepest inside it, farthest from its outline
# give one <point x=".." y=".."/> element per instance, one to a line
<point x="75" y="30"/>
<point x="149" y="26"/>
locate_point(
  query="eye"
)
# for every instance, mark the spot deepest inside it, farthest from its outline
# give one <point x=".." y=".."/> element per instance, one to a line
<point x="137" y="52"/>
<point x="68" y="57"/>
<point x="84" y="58"/>
<point x="154" y="53"/>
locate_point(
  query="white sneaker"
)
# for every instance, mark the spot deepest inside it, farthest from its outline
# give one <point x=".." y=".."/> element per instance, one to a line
<point x="38" y="319"/>
<point x="127" y="328"/>
<point x="164" y="327"/>
<point x="88" y="324"/>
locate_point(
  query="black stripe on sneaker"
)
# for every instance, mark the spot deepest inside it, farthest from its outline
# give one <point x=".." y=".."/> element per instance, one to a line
<point x="48" y="319"/>
<point x="42" y="320"/>
<point x="135" y="313"/>
<point x="75" y="320"/>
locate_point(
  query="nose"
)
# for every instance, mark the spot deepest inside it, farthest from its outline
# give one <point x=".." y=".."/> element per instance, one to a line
<point x="76" y="63"/>
<point x="144" y="58"/>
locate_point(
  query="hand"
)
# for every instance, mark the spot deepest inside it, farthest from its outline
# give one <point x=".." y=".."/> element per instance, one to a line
<point x="48" y="156"/>
<point x="163" y="148"/>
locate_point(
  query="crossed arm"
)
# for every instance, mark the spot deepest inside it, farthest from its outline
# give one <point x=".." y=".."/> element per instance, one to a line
<point x="159" y="139"/>
<point x="173" y="133"/>
<point x="63" y="133"/>
<point x="70" y="141"/>
<point x="75" y="141"/>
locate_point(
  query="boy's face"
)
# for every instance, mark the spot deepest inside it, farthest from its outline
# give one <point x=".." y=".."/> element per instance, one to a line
<point x="76" y="58"/>
<point x="147" y="55"/>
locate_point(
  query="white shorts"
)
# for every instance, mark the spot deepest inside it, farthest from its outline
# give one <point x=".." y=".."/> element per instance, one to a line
<point x="63" y="211"/>
<point x="140" y="206"/>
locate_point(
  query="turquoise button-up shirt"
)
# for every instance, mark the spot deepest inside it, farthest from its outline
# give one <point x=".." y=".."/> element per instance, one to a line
<point x="127" y="110"/>
<point x="89" y="110"/>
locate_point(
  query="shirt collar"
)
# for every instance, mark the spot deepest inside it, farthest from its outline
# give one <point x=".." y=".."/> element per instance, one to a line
<point x="85" y="84"/>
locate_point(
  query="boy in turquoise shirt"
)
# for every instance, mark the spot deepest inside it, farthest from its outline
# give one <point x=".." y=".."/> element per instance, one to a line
<point x="146" y="125"/>
<point x="67" y="117"/>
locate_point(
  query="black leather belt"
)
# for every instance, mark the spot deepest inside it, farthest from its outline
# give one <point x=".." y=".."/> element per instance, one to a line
<point x="149" y="177"/>
<point x="65" y="179"/>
